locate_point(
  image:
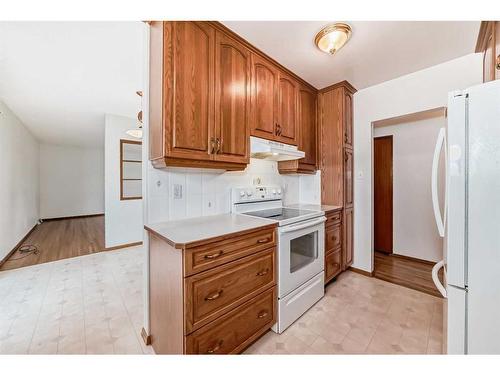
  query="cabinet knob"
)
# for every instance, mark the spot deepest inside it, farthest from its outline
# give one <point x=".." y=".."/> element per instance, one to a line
<point x="263" y="240"/>
<point x="213" y="296"/>
<point x="216" y="347"/>
<point x="498" y="63"/>
<point x="212" y="145"/>
<point x="262" y="314"/>
<point x="263" y="273"/>
<point x="213" y="256"/>
<point x="218" y="144"/>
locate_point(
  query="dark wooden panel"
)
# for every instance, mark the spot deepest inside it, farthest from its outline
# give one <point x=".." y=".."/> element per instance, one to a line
<point x="287" y="113"/>
<point x="348" y="238"/>
<point x="60" y="239"/>
<point x="212" y="293"/>
<point x="264" y="98"/>
<point x="232" y="100"/>
<point x="234" y="331"/>
<point x="382" y="190"/>
<point x="409" y="272"/>
<point x="193" y="90"/>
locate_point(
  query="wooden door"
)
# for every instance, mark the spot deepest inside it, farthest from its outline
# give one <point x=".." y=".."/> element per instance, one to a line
<point x="383" y="185"/>
<point x="264" y="98"/>
<point x="287" y="112"/>
<point x="189" y="109"/>
<point x="348" y="119"/>
<point x="348" y="248"/>
<point x="232" y="100"/>
<point x="348" y="178"/>
<point x="307" y="126"/>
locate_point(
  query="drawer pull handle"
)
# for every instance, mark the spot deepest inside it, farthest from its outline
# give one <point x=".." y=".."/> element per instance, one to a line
<point x="262" y="314"/>
<point x="263" y="240"/>
<point x="263" y="273"/>
<point x="216" y="347"/>
<point x="213" y="296"/>
<point x="213" y="256"/>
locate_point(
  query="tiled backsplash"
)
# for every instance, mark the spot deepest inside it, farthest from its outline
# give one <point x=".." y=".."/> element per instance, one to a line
<point x="202" y="192"/>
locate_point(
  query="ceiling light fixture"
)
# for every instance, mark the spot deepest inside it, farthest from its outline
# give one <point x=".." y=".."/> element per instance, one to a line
<point x="333" y="37"/>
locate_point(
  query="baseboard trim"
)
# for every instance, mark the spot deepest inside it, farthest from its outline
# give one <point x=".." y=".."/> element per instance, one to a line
<point x="123" y="246"/>
<point x="145" y="337"/>
<point x="18" y="245"/>
<point x="71" y="217"/>
<point x="413" y="259"/>
<point x="361" y="272"/>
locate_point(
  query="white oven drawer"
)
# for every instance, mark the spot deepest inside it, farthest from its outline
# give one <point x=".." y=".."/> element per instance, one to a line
<point x="292" y="306"/>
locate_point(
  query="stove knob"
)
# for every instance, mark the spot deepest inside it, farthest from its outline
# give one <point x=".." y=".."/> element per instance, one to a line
<point x="274" y="192"/>
<point x="242" y="193"/>
<point x="249" y="193"/>
<point x="279" y="191"/>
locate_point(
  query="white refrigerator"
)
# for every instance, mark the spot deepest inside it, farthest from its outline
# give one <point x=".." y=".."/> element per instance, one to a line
<point x="470" y="223"/>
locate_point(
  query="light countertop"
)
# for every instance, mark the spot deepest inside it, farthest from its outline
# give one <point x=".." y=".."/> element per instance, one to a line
<point x="315" y="207"/>
<point x="182" y="232"/>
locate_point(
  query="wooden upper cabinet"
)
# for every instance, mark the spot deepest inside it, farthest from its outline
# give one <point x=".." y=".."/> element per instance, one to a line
<point x="286" y="128"/>
<point x="191" y="99"/>
<point x="488" y="43"/>
<point x="232" y="100"/>
<point x="264" y="98"/>
<point x="348" y="119"/>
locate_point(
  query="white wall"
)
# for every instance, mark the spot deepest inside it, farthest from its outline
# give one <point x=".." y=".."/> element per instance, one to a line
<point x="19" y="198"/>
<point x="208" y="192"/>
<point x="414" y="92"/>
<point x="123" y="219"/>
<point x="414" y="229"/>
<point x="71" y="181"/>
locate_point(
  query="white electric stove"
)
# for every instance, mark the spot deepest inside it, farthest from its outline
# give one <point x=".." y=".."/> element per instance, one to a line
<point x="301" y="249"/>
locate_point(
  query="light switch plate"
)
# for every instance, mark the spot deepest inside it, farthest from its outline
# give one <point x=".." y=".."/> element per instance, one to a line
<point x="177" y="191"/>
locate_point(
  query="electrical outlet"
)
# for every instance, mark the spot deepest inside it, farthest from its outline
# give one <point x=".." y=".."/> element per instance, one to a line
<point x="177" y="191"/>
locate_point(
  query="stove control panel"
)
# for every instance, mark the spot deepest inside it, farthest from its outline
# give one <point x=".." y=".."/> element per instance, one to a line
<point x="257" y="194"/>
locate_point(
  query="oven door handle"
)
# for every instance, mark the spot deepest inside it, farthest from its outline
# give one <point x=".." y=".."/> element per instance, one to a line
<point x="293" y="228"/>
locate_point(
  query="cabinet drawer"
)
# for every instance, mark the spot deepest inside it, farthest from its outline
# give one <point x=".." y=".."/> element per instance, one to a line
<point x="333" y="237"/>
<point x="234" y="331"/>
<point x="212" y="293"/>
<point x="333" y="265"/>
<point x="333" y="218"/>
<point x="204" y="257"/>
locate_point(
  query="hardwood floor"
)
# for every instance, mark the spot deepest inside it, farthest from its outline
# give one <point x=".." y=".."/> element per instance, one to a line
<point x="61" y="239"/>
<point x="408" y="272"/>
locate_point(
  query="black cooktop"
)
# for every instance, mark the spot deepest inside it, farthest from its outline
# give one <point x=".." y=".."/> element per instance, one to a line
<point x="279" y="213"/>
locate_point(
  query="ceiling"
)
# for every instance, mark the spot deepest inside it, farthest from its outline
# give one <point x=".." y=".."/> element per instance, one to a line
<point x="377" y="51"/>
<point x="60" y="78"/>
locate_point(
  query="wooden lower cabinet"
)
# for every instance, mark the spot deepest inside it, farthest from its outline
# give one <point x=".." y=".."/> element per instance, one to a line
<point x="233" y="332"/>
<point x="333" y="244"/>
<point x="333" y="264"/>
<point x="212" y="297"/>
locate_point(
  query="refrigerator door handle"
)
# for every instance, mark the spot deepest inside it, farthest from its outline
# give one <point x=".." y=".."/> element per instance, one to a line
<point x="435" y="277"/>
<point x="440" y="144"/>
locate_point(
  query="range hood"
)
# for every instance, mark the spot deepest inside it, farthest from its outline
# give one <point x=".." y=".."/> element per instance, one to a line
<point x="275" y="151"/>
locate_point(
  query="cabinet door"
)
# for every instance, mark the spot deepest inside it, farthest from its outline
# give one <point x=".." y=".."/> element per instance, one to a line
<point x="232" y="100"/>
<point x="347" y="249"/>
<point x="348" y="178"/>
<point x="287" y="112"/>
<point x="348" y="119"/>
<point x="307" y="126"/>
<point x="189" y="81"/>
<point x="264" y="98"/>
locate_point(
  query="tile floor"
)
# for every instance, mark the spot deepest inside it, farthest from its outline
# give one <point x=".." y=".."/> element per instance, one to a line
<point x="94" y="304"/>
<point x="90" y="304"/>
<point x="362" y="315"/>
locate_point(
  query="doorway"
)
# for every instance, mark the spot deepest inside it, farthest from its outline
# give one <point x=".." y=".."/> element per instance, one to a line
<point x="383" y="194"/>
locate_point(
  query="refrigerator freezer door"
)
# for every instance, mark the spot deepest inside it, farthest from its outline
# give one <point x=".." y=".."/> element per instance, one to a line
<point x="456" y="184"/>
<point x="483" y="224"/>
<point x="456" y="327"/>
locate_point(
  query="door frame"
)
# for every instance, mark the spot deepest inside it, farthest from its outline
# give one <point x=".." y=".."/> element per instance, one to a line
<point x="391" y="137"/>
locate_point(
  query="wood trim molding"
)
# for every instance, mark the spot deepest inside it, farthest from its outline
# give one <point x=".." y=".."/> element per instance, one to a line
<point x="71" y="217"/>
<point x="123" y="246"/>
<point x="482" y="40"/>
<point x="10" y="253"/>
<point x="145" y="336"/>
<point x="345" y="84"/>
<point x="412" y="117"/>
<point x="423" y="261"/>
<point x="361" y="272"/>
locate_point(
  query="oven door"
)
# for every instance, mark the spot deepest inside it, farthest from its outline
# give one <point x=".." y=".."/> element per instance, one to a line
<point x="301" y="255"/>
